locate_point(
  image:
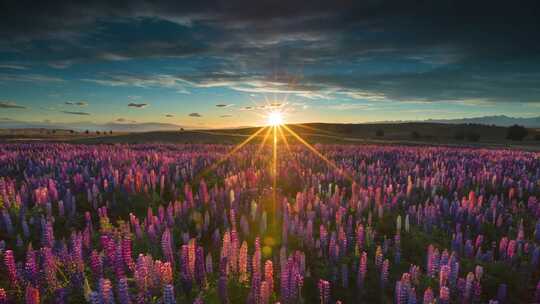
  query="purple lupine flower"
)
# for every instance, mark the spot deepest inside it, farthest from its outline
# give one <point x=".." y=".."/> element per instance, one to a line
<point x="223" y="290"/>
<point x="384" y="272"/>
<point x="166" y="245"/>
<point x="123" y="291"/>
<point x="501" y="293"/>
<point x="105" y="291"/>
<point x="168" y="294"/>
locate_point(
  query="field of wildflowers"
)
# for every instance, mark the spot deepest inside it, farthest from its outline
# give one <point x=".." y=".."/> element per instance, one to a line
<point x="170" y="224"/>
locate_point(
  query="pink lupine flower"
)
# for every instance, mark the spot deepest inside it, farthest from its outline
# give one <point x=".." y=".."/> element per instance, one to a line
<point x="324" y="291"/>
<point x="31" y="295"/>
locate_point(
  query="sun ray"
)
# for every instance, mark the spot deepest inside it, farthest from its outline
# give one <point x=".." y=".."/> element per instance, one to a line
<point x="289" y="150"/>
<point x="232" y="152"/>
<point x="263" y="142"/>
<point x="275" y="172"/>
<point x="316" y="152"/>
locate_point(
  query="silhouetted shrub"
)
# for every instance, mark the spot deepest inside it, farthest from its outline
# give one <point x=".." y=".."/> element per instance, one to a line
<point x="537" y="137"/>
<point x="379" y="133"/>
<point x="516" y="132"/>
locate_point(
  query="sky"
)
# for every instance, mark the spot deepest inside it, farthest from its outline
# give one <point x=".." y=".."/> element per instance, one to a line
<point x="219" y="63"/>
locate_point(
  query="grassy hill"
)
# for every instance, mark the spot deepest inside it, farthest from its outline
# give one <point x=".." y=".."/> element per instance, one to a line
<point x="404" y="133"/>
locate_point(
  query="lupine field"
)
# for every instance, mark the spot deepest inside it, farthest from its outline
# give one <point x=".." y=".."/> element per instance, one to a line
<point x="169" y="223"/>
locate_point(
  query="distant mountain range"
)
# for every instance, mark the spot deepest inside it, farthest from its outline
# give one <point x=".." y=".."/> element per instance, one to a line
<point x="497" y="120"/>
<point x="6" y="123"/>
<point x="82" y="126"/>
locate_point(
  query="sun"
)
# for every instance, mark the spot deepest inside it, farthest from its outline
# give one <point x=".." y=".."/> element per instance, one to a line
<point x="275" y="118"/>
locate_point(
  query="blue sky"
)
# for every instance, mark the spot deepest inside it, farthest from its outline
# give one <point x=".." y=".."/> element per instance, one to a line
<point x="325" y="62"/>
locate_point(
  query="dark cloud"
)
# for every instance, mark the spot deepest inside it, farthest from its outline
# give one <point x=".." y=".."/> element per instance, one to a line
<point x="381" y="49"/>
<point x="137" y="105"/>
<point x="223" y="105"/>
<point x="194" y="115"/>
<point x="10" y="105"/>
<point x="76" y="103"/>
<point x="169" y="115"/>
<point x="76" y="113"/>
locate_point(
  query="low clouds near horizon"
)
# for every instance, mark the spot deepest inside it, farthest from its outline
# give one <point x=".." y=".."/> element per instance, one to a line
<point x="76" y="113"/>
<point x="195" y="114"/>
<point x="10" y="105"/>
<point x="137" y="105"/>
<point x="77" y="103"/>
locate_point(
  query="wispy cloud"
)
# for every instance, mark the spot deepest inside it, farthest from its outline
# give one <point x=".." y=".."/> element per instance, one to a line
<point x="348" y="106"/>
<point x="195" y="114"/>
<point x="76" y="103"/>
<point x="137" y="105"/>
<point x="223" y="105"/>
<point x="10" y="105"/>
<point x="169" y="115"/>
<point x="29" y="78"/>
<point x="13" y="67"/>
<point x="124" y="120"/>
<point x="76" y="113"/>
<point x="225" y="116"/>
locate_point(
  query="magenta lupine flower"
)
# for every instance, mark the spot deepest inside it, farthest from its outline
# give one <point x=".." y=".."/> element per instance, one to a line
<point x="49" y="267"/>
<point x="3" y="296"/>
<point x="428" y="296"/>
<point x="362" y="271"/>
<point x="96" y="264"/>
<point x="444" y="295"/>
<point x="269" y="275"/>
<point x="324" y="291"/>
<point x="127" y="253"/>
